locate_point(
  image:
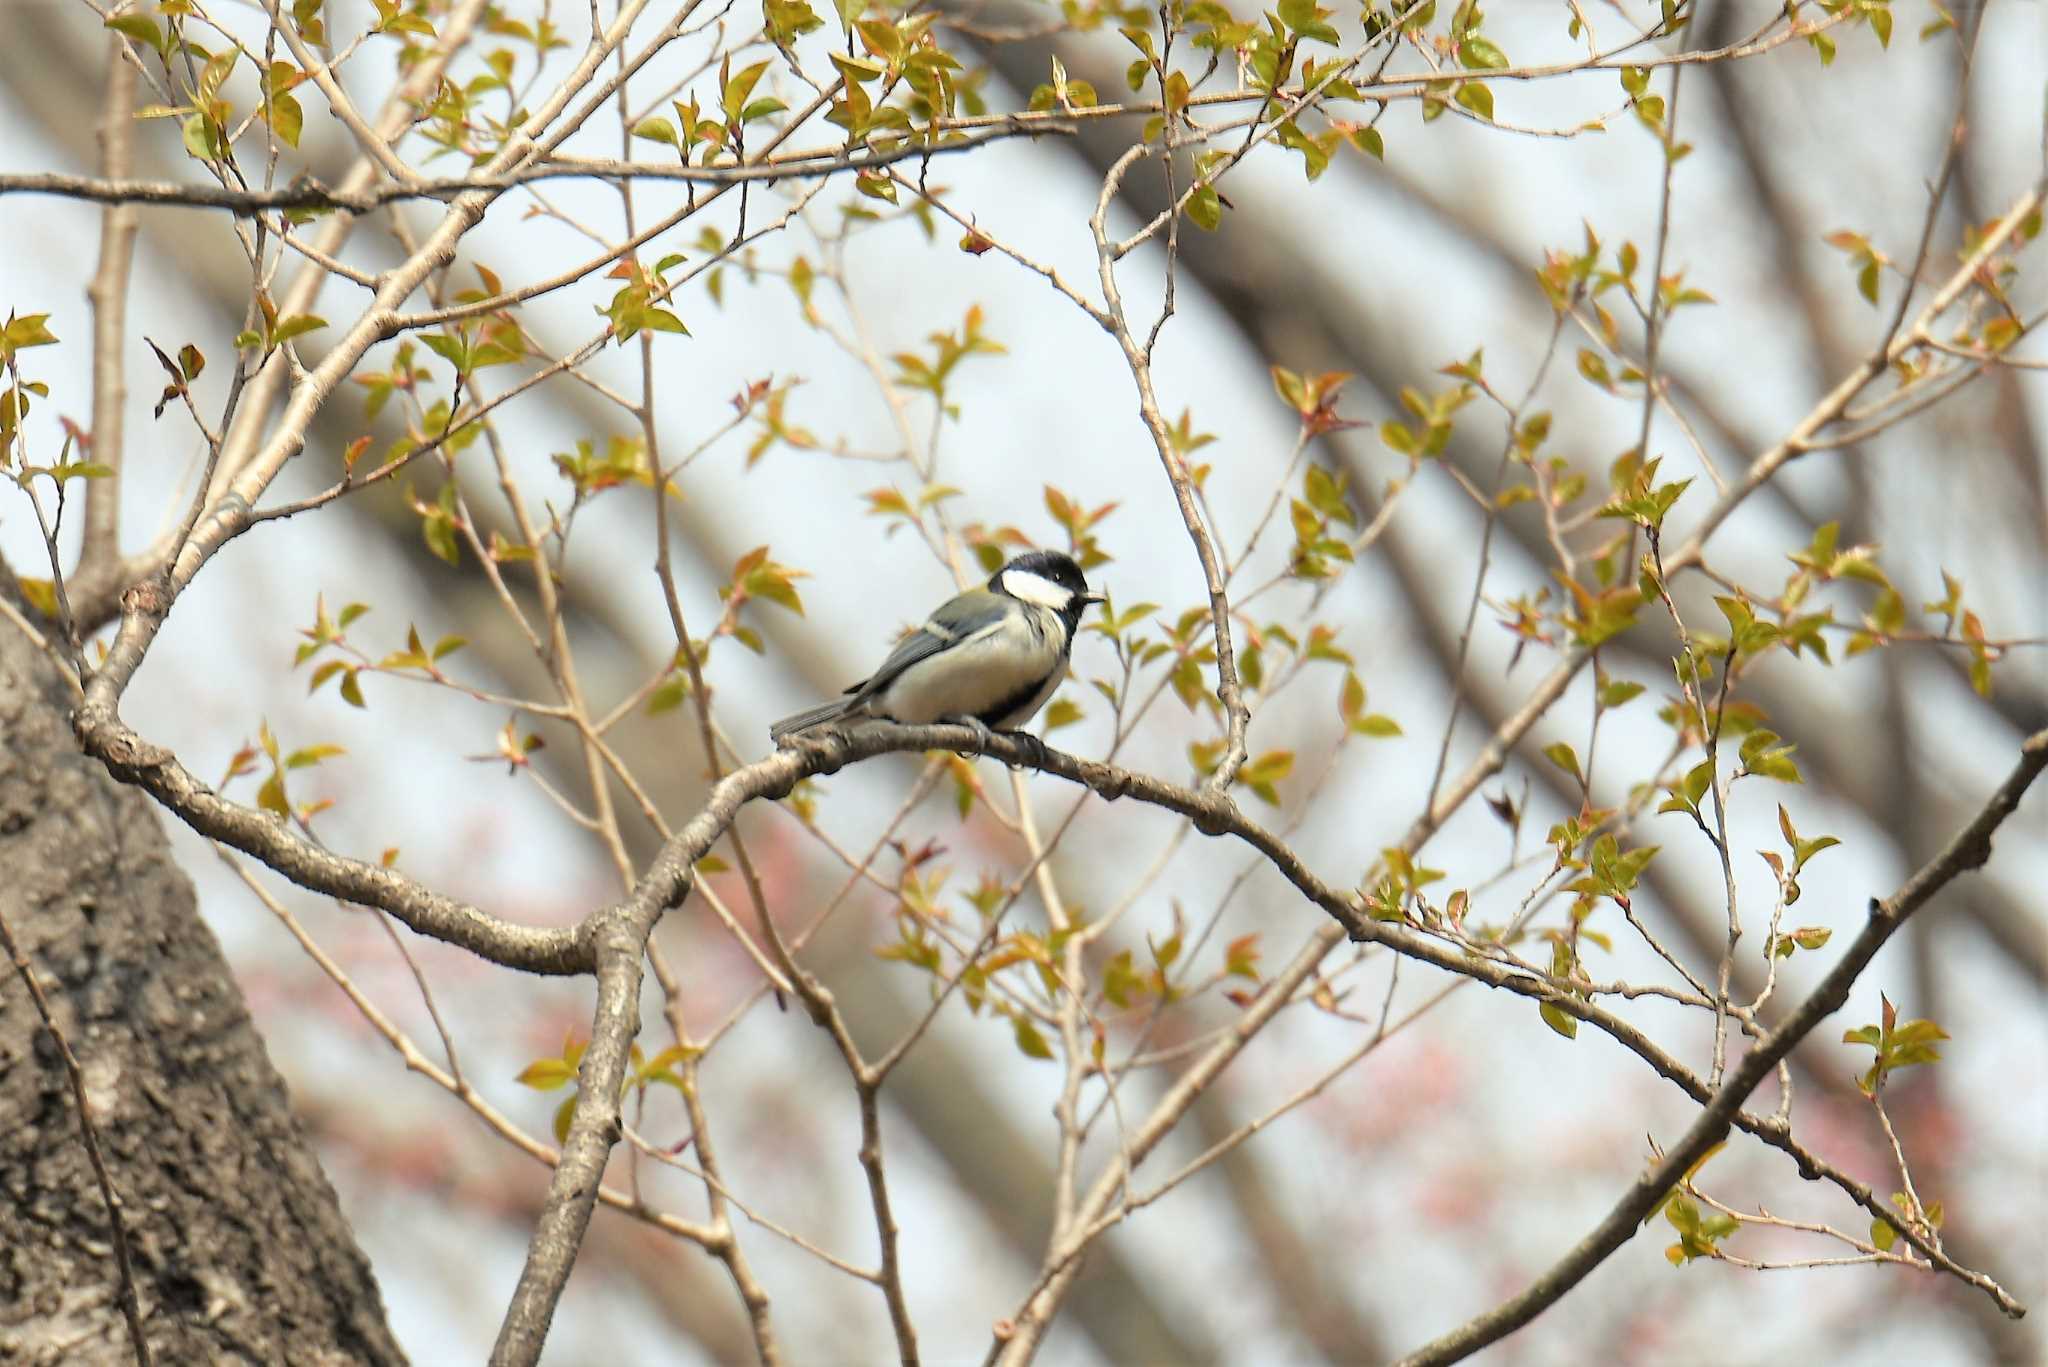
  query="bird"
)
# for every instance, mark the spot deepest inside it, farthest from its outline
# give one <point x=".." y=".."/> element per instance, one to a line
<point x="987" y="658"/>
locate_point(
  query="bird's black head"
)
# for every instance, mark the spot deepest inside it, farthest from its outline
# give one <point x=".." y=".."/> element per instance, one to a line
<point x="1047" y="578"/>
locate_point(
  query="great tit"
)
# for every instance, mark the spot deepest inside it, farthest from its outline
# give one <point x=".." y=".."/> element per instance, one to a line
<point x="988" y="658"/>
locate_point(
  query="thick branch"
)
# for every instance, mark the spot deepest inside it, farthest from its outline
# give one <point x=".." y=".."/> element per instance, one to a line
<point x="109" y="295"/>
<point x="535" y="949"/>
<point x="307" y="193"/>
<point x="619" y="944"/>
<point x="1969" y="850"/>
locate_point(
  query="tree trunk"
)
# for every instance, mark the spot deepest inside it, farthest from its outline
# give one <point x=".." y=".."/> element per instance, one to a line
<point x="240" y="1251"/>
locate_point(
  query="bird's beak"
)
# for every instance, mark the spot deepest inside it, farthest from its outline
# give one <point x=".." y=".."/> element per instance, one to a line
<point x="1095" y="598"/>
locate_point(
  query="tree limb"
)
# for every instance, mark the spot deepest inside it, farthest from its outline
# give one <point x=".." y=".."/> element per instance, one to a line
<point x="308" y="193"/>
<point x="1969" y="850"/>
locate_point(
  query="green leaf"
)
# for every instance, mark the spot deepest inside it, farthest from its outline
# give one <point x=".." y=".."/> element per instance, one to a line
<point x="669" y="695"/>
<point x="286" y="118"/>
<point x="1261" y="774"/>
<point x="1351" y="697"/>
<point x="1480" y="54"/>
<point x="298" y="325"/>
<point x="1806" y="937"/>
<point x="306" y="17"/>
<point x="1205" y="209"/>
<point x="1478" y="98"/>
<point x="1307" y="20"/>
<point x="1697" y="780"/>
<point x="547" y="1074"/>
<point x="1029" y="1041"/>
<point x="1616" y="692"/>
<point x="438" y="524"/>
<point x="656" y="129"/>
<point x="1898" y="1045"/>
<point x="312" y="755"/>
<point x="1807" y="849"/>
<point x="1565" y="758"/>
<point x="203" y="138"/>
<point x="764" y="578"/>
<point x="1315" y="151"/>
<point x="1559" y="1020"/>
<point x="1063" y="712"/>
<point x="786" y="20"/>
<point x="140" y="27"/>
<point x="215" y="73"/>
<point x="733" y="98"/>
<point x="1764" y="757"/>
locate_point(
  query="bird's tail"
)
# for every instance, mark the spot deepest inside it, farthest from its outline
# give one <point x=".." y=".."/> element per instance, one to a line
<point x="805" y="720"/>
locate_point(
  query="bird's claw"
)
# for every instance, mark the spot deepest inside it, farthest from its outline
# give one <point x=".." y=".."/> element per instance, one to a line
<point x="1032" y="745"/>
<point x="982" y="735"/>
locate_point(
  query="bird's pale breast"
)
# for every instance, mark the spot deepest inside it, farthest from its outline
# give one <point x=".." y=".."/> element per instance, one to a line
<point x="984" y="671"/>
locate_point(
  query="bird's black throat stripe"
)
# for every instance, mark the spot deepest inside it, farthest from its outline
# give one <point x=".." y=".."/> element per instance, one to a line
<point x="994" y="717"/>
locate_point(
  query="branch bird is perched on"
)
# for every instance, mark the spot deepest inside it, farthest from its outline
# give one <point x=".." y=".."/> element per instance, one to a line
<point x="987" y="659"/>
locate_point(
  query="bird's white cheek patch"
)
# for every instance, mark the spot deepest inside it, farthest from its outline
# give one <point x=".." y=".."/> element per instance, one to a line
<point x="1035" y="588"/>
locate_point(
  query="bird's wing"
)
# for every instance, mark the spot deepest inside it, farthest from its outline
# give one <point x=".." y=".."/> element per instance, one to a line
<point x="958" y="619"/>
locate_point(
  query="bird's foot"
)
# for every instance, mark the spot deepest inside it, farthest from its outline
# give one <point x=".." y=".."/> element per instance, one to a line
<point x="982" y="735"/>
<point x="1031" y="745"/>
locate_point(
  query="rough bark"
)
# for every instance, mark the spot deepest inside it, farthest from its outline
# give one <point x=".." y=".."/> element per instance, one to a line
<point x="241" y="1252"/>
